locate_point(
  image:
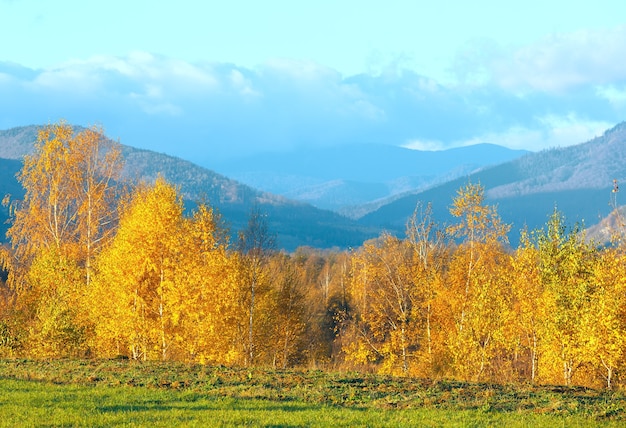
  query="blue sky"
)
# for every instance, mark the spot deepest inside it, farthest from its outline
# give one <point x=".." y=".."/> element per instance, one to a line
<point x="207" y="80"/>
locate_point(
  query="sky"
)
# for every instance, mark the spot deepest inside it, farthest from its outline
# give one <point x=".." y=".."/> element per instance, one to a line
<point x="213" y="80"/>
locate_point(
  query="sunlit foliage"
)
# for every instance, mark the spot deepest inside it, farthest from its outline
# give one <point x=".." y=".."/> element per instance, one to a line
<point x="98" y="268"/>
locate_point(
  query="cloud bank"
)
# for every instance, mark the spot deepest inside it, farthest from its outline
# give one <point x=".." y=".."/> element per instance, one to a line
<point x="562" y="90"/>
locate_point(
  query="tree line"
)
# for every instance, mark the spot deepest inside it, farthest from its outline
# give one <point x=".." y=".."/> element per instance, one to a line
<point x="98" y="268"/>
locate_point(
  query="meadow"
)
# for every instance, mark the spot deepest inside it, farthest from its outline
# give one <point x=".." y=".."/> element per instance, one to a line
<point x="129" y="393"/>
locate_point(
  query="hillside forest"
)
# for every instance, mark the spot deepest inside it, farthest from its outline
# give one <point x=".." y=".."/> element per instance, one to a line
<point x="97" y="267"/>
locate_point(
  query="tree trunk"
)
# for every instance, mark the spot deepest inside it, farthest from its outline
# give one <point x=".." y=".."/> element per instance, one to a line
<point x="405" y="362"/>
<point x="250" y="357"/>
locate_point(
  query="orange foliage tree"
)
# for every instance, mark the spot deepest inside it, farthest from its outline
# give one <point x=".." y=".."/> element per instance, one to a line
<point x="68" y="213"/>
<point x="477" y="293"/>
<point x="69" y="207"/>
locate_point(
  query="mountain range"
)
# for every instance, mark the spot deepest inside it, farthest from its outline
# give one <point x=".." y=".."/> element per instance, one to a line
<point x="576" y="180"/>
<point x="348" y="178"/>
<point x="295" y="223"/>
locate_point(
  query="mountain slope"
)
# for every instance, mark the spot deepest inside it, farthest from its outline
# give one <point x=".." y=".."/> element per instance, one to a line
<point x="342" y="176"/>
<point x="8" y="186"/>
<point x="295" y="223"/>
<point x="577" y="180"/>
<point x="610" y="227"/>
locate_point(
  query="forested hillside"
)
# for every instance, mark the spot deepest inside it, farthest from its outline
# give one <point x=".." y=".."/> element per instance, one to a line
<point x="8" y="169"/>
<point x="295" y="223"/>
<point x="578" y="180"/>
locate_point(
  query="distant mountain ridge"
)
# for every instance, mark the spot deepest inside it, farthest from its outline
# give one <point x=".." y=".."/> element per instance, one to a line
<point x="342" y="177"/>
<point x="8" y="186"/>
<point x="576" y="180"/>
<point x="295" y="223"/>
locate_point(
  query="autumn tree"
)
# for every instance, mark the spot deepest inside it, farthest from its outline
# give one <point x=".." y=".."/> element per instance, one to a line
<point x="528" y="308"/>
<point x="326" y="278"/>
<point x="138" y="275"/>
<point x="67" y="214"/>
<point x="603" y="324"/>
<point x="285" y="312"/>
<point x="478" y="296"/>
<point x="69" y="206"/>
<point x="12" y="319"/>
<point x="388" y="316"/>
<point x="256" y="245"/>
<point x="206" y="313"/>
<point x="430" y="259"/>
<point x="58" y="326"/>
<point x="566" y="261"/>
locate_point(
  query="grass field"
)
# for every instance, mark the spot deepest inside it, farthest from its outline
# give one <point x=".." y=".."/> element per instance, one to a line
<point x="109" y="393"/>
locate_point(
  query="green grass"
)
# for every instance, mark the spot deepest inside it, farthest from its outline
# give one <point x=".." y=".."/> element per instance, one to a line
<point x="110" y="393"/>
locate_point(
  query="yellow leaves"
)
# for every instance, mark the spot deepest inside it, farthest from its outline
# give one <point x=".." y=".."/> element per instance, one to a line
<point x="170" y="285"/>
<point x="385" y="289"/>
<point x="477" y="222"/>
<point x="360" y="352"/>
<point x="141" y="265"/>
<point x="58" y="327"/>
<point x="167" y="286"/>
<point x="69" y="201"/>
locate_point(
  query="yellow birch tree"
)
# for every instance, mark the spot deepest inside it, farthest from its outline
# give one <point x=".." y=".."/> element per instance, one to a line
<point x="69" y="205"/>
<point x="430" y="259"/>
<point x="67" y="214"/>
<point x="256" y="244"/>
<point x="388" y="318"/>
<point x="566" y="264"/>
<point x="137" y="276"/>
<point x="603" y="321"/>
<point x="206" y="310"/>
<point x="478" y="295"/>
<point x="528" y="306"/>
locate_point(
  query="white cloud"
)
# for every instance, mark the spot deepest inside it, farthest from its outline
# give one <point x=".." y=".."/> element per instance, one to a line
<point x="137" y="70"/>
<point x="300" y="71"/>
<point x="423" y="145"/>
<point x="67" y="80"/>
<point x="156" y="101"/>
<point x="6" y="79"/>
<point x="555" y="63"/>
<point x="194" y="76"/>
<point x="152" y="101"/>
<point x="243" y="85"/>
<point x="549" y="131"/>
<point x="615" y="95"/>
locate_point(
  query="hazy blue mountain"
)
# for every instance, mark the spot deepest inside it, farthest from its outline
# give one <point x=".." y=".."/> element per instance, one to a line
<point x="577" y="180"/>
<point x="295" y="223"/>
<point x="8" y="186"/>
<point x="340" y="177"/>
<point x="15" y="143"/>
